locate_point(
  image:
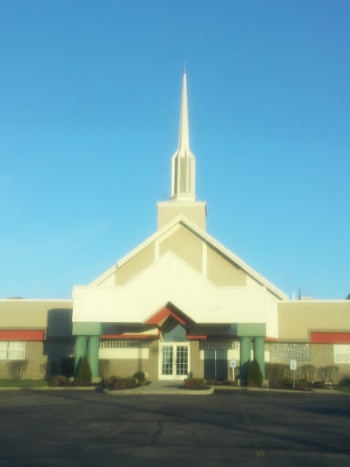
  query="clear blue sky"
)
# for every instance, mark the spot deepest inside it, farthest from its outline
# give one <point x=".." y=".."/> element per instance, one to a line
<point x="89" y="110"/>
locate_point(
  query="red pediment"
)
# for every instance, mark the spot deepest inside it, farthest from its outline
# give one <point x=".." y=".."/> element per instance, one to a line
<point x="162" y="315"/>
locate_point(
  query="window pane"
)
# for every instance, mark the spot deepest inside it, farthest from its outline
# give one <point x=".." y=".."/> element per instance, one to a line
<point x="341" y="353"/>
<point x="16" y="355"/>
<point x="18" y="345"/>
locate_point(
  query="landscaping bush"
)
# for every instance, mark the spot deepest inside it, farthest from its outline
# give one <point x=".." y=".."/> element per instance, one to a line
<point x="255" y="377"/>
<point x="140" y="378"/>
<point x="308" y="372"/>
<point x="345" y="381"/>
<point x="67" y="366"/>
<point x="16" y="368"/>
<point x="329" y="374"/>
<point x="117" y="382"/>
<point x="276" y="373"/>
<point x="84" y="371"/>
<point x="103" y="368"/>
<point x="58" y="380"/>
<point x="319" y="385"/>
<point x="195" y="383"/>
<point x="302" y="383"/>
<point x="287" y="382"/>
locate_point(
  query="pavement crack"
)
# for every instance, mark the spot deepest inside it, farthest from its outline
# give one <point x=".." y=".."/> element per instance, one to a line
<point x="157" y="433"/>
<point x="253" y="437"/>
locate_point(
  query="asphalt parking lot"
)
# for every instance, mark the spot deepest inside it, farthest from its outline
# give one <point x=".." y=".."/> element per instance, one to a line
<point x="66" y="428"/>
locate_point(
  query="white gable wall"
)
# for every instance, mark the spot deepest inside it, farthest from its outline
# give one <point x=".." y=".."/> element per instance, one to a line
<point x="171" y="279"/>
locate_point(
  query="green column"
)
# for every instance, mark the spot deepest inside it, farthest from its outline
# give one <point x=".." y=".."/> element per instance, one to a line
<point x="93" y="346"/>
<point x="259" y="353"/>
<point x="80" y="350"/>
<point x="244" y="350"/>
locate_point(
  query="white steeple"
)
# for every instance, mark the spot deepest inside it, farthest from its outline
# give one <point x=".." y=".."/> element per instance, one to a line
<point x="182" y="201"/>
<point x="183" y="173"/>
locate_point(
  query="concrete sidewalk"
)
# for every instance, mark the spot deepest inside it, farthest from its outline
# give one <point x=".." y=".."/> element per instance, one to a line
<point x="163" y="387"/>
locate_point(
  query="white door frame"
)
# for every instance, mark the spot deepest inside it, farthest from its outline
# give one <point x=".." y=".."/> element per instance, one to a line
<point x="173" y="366"/>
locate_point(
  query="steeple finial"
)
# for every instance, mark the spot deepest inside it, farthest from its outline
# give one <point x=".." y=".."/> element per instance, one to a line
<point x="183" y="161"/>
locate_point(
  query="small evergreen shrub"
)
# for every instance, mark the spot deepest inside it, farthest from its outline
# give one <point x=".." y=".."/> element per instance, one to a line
<point x="84" y="371"/>
<point x="255" y="377"/>
<point x="140" y="378"/>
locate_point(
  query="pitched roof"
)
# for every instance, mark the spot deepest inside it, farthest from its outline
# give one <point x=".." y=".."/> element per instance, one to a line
<point x="203" y="236"/>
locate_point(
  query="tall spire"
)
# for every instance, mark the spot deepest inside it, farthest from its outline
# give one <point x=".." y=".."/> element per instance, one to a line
<point x="183" y="161"/>
<point x="184" y="139"/>
<point x="183" y="176"/>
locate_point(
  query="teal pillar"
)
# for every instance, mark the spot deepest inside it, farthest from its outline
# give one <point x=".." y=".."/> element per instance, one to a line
<point x="259" y="353"/>
<point x="92" y="355"/>
<point x="80" y="351"/>
<point x="244" y="350"/>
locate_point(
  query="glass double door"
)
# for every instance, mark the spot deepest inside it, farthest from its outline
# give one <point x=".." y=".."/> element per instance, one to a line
<point x="174" y="361"/>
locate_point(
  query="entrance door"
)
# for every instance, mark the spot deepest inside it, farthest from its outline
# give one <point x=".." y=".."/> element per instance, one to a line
<point x="174" y="361"/>
<point x="215" y="364"/>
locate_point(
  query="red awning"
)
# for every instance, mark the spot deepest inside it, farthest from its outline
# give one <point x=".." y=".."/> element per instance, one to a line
<point x="330" y="337"/>
<point x="21" y="335"/>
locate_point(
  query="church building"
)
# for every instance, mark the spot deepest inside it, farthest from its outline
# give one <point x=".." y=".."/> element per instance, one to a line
<point x="178" y="304"/>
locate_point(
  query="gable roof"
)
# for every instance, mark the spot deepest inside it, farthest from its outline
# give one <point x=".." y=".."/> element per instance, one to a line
<point x="203" y="236"/>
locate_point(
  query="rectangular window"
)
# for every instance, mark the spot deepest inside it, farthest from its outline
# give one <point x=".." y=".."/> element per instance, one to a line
<point x="341" y="353"/>
<point x="12" y="350"/>
<point x="124" y="344"/>
<point x="218" y="344"/>
<point x="284" y="352"/>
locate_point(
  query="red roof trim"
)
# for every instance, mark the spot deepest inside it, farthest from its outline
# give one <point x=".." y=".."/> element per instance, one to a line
<point x="21" y="335"/>
<point x="196" y="337"/>
<point x="330" y="337"/>
<point x="162" y="315"/>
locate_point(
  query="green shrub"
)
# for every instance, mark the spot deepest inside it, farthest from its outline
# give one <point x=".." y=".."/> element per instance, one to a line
<point x="276" y="373"/>
<point x="84" y="371"/>
<point x="255" y="377"/>
<point x="140" y="378"/>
